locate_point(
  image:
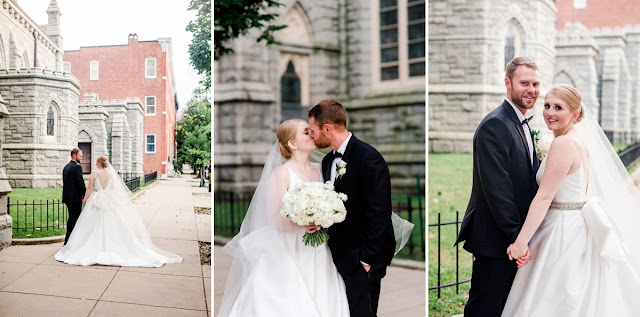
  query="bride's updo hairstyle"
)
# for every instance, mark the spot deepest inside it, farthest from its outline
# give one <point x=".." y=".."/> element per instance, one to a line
<point x="102" y="162"/>
<point x="571" y="96"/>
<point x="285" y="133"/>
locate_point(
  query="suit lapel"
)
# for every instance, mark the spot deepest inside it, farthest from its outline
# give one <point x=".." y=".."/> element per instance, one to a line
<point x="520" y="129"/>
<point x="345" y="158"/>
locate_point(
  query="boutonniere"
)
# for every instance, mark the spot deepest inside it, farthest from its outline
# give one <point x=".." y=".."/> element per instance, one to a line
<point x="541" y="143"/>
<point x="341" y="169"/>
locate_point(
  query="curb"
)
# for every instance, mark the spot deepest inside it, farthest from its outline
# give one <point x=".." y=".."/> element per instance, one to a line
<point x="407" y="264"/>
<point x="35" y="241"/>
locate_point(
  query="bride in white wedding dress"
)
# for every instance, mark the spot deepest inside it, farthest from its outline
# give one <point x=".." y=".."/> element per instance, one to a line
<point x="109" y="230"/>
<point x="584" y="253"/>
<point x="273" y="273"/>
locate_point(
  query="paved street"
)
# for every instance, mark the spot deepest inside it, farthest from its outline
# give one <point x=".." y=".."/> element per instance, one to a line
<point x="33" y="283"/>
<point x="402" y="295"/>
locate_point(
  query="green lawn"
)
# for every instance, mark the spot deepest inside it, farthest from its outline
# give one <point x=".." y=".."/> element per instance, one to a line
<point x="29" y="213"/>
<point x="450" y="177"/>
<point x="29" y="209"/>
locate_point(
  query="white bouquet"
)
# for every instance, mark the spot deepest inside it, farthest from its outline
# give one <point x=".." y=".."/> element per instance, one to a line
<point x="316" y="203"/>
<point x="541" y="143"/>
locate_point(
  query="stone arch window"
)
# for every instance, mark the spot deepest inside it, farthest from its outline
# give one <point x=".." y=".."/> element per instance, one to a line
<point x="512" y="42"/>
<point x="290" y="97"/>
<point x="51" y="128"/>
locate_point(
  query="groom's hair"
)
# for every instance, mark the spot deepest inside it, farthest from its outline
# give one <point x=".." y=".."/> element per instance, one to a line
<point x="329" y="111"/>
<point x="75" y="151"/>
<point x="519" y="61"/>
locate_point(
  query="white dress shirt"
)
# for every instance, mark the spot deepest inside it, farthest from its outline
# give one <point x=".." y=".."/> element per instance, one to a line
<point x="525" y="127"/>
<point x="337" y="160"/>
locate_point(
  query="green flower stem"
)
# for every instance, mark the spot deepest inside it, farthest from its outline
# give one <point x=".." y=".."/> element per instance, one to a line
<point x="315" y="239"/>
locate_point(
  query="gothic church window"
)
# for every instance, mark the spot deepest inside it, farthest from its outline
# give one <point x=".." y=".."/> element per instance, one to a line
<point x="50" y="122"/>
<point x="290" y="98"/>
<point x="512" y="43"/>
<point x="150" y="68"/>
<point x="93" y="69"/>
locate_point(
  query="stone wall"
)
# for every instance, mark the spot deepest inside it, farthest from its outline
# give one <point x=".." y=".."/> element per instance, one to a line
<point x="466" y="62"/>
<point x="328" y="42"/>
<point x="31" y="157"/>
<point x="17" y="39"/>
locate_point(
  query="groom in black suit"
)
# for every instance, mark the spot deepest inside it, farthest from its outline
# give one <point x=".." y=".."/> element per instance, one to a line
<point x="504" y="184"/>
<point x="363" y="245"/>
<point x="73" y="190"/>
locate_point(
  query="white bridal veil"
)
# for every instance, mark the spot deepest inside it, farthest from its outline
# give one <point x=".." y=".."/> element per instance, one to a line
<point x="612" y="188"/>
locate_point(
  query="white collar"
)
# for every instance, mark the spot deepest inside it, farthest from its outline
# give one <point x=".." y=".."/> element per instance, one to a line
<point x="343" y="147"/>
<point x="516" y="109"/>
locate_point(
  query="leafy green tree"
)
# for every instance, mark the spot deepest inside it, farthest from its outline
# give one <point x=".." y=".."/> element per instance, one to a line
<point x="193" y="131"/>
<point x="236" y="17"/>
<point x="200" y="47"/>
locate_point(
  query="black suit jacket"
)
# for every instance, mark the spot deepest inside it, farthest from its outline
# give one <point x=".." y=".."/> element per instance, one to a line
<point x="504" y="185"/>
<point x="367" y="233"/>
<point x="73" y="188"/>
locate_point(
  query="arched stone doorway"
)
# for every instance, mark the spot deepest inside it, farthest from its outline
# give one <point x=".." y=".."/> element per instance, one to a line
<point x="84" y="144"/>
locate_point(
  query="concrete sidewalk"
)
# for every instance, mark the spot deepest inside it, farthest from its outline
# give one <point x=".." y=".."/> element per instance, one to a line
<point x="33" y="283"/>
<point x="402" y="294"/>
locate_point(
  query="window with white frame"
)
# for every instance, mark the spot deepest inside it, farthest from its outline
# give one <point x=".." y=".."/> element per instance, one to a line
<point x="150" y="68"/>
<point x="93" y="68"/>
<point x="151" y="143"/>
<point x="66" y="67"/>
<point x="579" y="4"/>
<point x="150" y="105"/>
<point x="398" y="46"/>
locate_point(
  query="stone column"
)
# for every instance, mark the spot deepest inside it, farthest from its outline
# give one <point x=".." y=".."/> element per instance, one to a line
<point x="577" y="53"/>
<point x="6" y="222"/>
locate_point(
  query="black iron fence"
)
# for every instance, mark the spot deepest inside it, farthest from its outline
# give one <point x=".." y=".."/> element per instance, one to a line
<point x="447" y="244"/>
<point x="42" y="215"/>
<point x="230" y="208"/>
<point x="148" y="178"/>
<point x="630" y="155"/>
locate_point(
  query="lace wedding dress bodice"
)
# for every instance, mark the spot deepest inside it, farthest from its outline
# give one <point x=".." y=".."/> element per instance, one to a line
<point x="574" y="187"/>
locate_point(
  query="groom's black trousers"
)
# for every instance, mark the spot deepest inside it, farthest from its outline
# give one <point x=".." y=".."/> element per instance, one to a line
<point x="74" y="213"/>
<point x="490" y="285"/>
<point x="363" y="292"/>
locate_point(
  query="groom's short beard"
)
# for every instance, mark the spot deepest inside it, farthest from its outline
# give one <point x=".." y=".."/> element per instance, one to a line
<point x="322" y="144"/>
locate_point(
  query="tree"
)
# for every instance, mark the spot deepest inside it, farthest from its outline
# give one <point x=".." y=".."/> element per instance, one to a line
<point x="200" y="47"/>
<point x="236" y="17"/>
<point x="193" y="131"/>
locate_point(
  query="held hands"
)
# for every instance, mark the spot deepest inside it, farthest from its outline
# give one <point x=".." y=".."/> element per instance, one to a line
<point x="522" y="256"/>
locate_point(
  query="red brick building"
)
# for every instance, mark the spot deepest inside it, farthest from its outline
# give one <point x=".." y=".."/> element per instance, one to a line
<point x="597" y="14"/>
<point x="142" y="69"/>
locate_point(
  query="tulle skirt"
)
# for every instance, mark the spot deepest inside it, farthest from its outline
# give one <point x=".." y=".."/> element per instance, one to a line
<point x="110" y="231"/>
<point x="275" y="274"/>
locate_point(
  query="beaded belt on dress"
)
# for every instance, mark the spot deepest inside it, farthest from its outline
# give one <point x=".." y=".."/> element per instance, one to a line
<point x="567" y="206"/>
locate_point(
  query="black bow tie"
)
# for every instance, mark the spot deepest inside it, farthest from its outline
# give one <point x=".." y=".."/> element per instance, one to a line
<point x="526" y="120"/>
<point x="333" y="154"/>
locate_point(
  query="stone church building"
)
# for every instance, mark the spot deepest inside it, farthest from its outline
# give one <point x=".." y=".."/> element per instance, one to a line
<point x="572" y="42"/>
<point x="367" y="54"/>
<point x="41" y="118"/>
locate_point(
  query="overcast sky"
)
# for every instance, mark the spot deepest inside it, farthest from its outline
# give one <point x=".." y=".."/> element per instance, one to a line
<point x="100" y="22"/>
